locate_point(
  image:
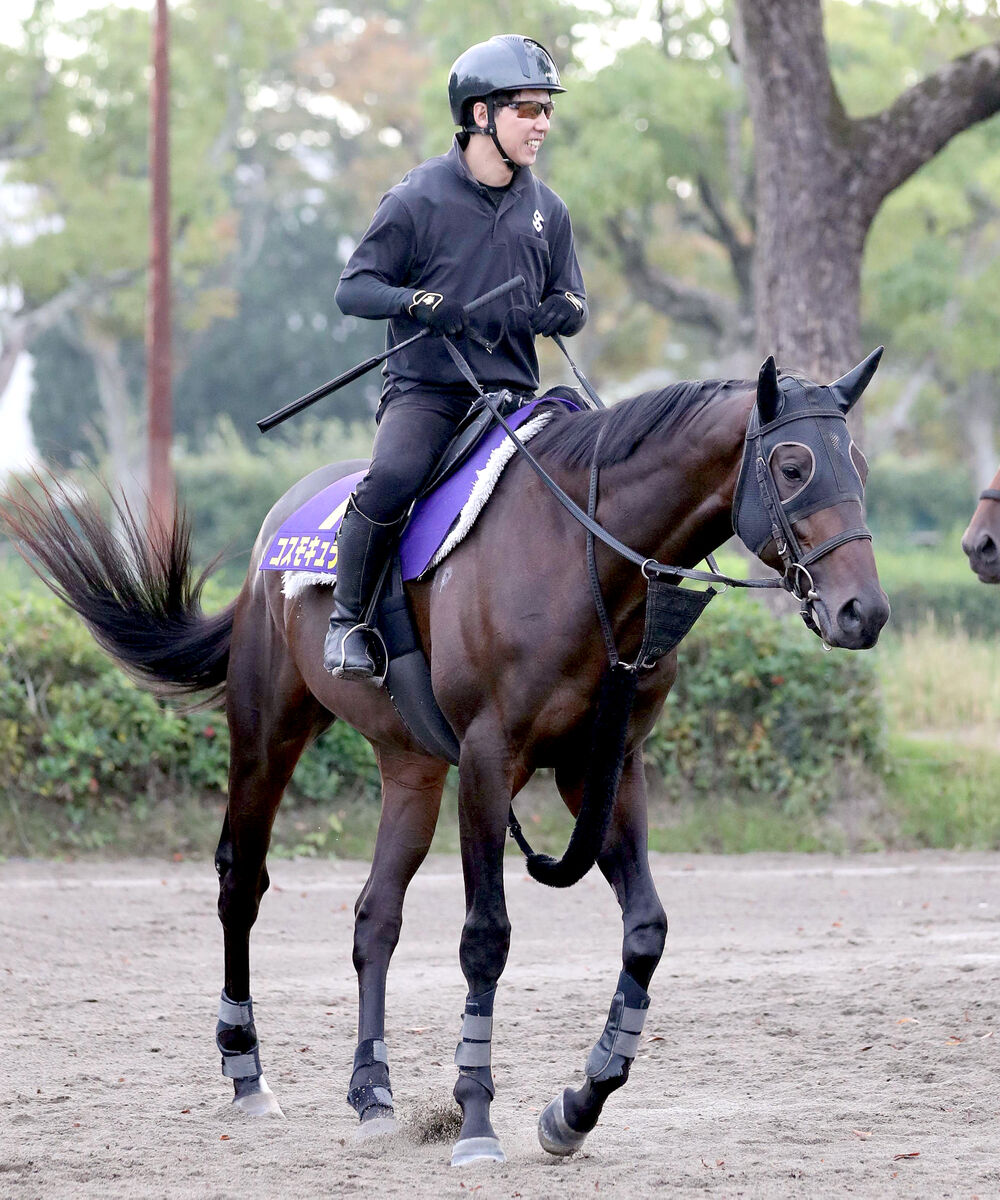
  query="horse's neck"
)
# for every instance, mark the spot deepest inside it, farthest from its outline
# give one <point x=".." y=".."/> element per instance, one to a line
<point x="672" y="498"/>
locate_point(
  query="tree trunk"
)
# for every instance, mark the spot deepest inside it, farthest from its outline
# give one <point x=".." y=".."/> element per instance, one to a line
<point x="821" y="176"/>
<point x="810" y="230"/>
<point x="979" y="418"/>
<point x="122" y="426"/>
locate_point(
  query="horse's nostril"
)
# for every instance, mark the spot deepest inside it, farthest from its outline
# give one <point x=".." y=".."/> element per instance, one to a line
<point x="986" y="547"/>
<point x="850" y="617"/>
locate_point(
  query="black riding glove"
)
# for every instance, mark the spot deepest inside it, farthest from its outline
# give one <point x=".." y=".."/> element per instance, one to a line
<point x="562" y="312"/>
<point x="443" y="317"/>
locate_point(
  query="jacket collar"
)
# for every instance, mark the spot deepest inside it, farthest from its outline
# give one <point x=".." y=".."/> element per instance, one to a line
<point x="456" y="161"/>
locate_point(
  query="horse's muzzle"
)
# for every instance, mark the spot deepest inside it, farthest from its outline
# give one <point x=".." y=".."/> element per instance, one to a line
<point x="983" y="554"/>
<point x="854" y="624"/>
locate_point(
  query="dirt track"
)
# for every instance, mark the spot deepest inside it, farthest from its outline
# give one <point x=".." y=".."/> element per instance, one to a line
<point x="813" y="1019"/>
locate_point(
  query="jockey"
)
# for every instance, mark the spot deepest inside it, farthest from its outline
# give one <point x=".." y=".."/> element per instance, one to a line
<point x="454" y="228"/>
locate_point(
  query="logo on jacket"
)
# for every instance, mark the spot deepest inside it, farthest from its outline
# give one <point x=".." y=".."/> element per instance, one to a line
<point x="537" y="221"/>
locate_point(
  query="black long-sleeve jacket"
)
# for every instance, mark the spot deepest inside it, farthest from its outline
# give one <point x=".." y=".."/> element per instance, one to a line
<point x="439" y="229"/>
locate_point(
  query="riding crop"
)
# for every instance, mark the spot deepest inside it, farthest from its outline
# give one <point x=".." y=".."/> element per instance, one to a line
<point x="363" y="368"/>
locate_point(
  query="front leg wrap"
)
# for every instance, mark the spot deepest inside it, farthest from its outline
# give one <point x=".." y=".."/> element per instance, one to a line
<point x="473" y="1054"/>
<point x="236" y="1038"/>
<point x="617" y="1046"/>
<point x="370" y="1080"/>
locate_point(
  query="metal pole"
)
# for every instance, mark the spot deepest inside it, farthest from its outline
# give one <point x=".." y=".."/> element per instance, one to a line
<point x="158" y="356"/>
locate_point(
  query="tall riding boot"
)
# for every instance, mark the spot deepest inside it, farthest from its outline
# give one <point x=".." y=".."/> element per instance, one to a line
<point x="361" y="549"/>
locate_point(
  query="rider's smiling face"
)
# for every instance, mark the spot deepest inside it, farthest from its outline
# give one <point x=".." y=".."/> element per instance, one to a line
<point x="520" y="136"/>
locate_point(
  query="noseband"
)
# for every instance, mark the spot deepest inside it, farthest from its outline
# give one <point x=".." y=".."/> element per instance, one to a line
<point x="759" y="514"/>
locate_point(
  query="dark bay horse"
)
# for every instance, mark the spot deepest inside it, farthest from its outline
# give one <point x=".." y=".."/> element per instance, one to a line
<point x="981" y="540"/>
<point x="509" y="625"/>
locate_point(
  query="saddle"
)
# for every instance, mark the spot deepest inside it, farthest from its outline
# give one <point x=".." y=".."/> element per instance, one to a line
<point x="303" y="549"/>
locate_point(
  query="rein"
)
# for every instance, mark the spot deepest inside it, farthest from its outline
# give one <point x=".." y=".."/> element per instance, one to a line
<point x="990" y="494"/>
<point x="648" y="566"/>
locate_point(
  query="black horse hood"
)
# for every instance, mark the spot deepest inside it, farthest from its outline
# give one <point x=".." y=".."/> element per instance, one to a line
<point x="814" y="417"/>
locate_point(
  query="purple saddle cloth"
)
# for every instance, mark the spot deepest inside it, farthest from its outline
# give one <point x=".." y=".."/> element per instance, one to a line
<point x="306" y="540"/>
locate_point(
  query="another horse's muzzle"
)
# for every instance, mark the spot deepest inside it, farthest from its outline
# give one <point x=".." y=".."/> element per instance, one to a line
<point x="983" y="554"/>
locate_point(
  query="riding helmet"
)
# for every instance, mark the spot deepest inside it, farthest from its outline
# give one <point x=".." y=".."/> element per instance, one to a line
<point x="506" y="63"/>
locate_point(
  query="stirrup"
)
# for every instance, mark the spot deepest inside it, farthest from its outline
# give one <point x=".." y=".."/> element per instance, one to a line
<point x="374" y="649"/>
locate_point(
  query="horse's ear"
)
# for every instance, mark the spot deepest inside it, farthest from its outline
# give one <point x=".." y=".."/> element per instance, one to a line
<point x="768" y="396"/>
<point x="848" y="388"/>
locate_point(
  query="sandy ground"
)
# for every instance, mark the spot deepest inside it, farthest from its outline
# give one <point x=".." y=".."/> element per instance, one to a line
<point x="820" y="1027"/>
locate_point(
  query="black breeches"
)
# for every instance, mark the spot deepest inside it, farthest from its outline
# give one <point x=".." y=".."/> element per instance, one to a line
<point x="413" y="430"/>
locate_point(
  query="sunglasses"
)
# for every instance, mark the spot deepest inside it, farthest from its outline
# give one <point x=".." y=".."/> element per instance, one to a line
<point x="529" y="110"/>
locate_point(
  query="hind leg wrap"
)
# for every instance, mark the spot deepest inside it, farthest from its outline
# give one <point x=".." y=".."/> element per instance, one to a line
<point x="617" y="1046"/>
<point x="370" y="1079"/>
<point x="565" y="1122"/>
<point x="236" y="1038"/>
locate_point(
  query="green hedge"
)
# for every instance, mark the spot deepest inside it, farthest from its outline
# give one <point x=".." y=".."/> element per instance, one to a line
<point x="936" y="583"/>
<point x="907" y="498"/>
<point x="759" y="711"/>
<point x="73" y="728"/>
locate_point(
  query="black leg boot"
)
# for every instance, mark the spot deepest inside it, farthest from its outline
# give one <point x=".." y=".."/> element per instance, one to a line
<point x="361" y="549"/>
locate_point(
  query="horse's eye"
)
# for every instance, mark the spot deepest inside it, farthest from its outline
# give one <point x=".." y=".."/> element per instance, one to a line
<point x="791" y="472"/>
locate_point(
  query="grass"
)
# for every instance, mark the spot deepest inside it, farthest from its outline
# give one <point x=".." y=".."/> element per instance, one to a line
<point x="945" y="795"/>
<point x="942" y="680"/>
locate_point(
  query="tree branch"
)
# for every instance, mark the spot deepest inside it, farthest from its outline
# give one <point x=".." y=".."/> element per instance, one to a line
<point x="19" y="330"/>
<point x="740" y="251"/>
<point x="898" y="141"/>
<point x="692" y="305"/>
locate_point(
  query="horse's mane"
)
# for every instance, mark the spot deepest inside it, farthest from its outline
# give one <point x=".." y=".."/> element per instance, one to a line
<point x="568" y="440"/>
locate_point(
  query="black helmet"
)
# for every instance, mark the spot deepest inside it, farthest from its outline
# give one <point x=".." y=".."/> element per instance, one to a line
<point x="506" y="63"/>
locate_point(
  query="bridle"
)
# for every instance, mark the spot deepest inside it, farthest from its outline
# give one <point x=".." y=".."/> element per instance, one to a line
<point x="795" y="559"/>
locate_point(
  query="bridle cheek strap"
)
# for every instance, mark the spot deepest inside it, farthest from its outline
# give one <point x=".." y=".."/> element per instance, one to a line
<point x="794" y="559"/>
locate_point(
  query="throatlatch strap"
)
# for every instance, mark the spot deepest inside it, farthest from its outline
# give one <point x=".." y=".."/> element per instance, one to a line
<point x="243" y="1063"/>
<point x="619" y="1042"/>
<point x="473" y="1053"/>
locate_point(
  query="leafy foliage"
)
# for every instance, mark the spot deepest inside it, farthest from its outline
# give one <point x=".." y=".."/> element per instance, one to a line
<point x="74" y="729"/>
<point x="760" y="712"/>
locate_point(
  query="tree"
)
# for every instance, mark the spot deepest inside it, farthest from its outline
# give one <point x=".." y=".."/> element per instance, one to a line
<point x="822" y="175"/>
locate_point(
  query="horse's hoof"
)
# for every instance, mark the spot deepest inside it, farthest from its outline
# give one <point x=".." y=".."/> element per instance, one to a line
<point x="554" y="1132"/>
<point x="477" y="1149"/>
<point x="257" y="1100"/>
<point x="381" y="1123"/>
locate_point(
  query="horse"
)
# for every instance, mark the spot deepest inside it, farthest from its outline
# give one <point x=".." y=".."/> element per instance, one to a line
<point x="981" y="540"/>
<point x="519" y="667"/>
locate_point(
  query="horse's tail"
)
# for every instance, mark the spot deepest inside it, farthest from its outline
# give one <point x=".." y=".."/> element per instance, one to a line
<point x="604" y="772"/>
<point x="134" y="590"/>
